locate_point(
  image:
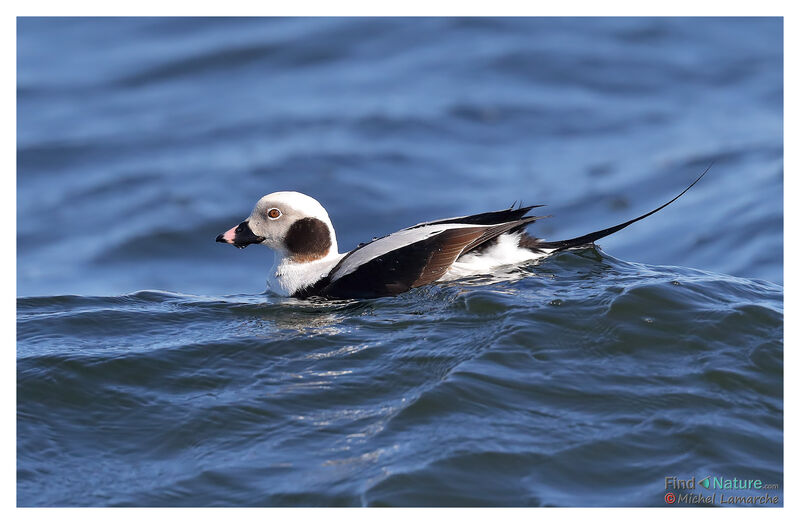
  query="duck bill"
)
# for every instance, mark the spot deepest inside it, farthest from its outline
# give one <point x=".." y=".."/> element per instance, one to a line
<point x="240" y="236"/>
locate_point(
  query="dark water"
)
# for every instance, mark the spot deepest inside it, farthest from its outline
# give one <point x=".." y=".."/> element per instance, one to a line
<point x="584" y="380"/>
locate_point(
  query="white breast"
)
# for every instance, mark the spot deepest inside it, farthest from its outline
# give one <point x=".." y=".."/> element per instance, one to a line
<point x="287" y="277"/>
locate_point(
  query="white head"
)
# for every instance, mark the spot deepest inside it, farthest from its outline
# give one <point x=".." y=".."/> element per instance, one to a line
<point x="293" y="224"/>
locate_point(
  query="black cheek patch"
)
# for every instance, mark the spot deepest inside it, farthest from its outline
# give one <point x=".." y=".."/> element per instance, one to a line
<point x="308" y="239"/>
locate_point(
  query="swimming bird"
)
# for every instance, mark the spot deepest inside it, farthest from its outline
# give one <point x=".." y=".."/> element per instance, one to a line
<point x="308" y="263"/>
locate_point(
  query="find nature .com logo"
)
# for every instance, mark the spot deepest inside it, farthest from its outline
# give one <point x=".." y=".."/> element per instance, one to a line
<point x="719" y="491"/>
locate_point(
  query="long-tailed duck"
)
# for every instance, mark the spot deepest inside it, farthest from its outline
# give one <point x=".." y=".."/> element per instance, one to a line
<point x="308" y="262"/>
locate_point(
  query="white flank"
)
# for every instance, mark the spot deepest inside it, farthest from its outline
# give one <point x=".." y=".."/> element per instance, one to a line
<point x="505" y="252"/>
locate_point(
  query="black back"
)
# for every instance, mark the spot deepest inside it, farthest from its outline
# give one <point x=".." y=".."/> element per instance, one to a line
<point x="484" y="219"/>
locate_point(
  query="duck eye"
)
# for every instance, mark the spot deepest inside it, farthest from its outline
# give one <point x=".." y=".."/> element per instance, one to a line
<point x="274" y="213"/>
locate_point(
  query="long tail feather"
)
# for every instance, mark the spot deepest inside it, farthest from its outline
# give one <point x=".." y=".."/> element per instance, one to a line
<point x="560" y="245"/>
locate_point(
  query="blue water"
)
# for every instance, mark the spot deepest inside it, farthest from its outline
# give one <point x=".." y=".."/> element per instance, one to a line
<point x="153" y="370"/>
